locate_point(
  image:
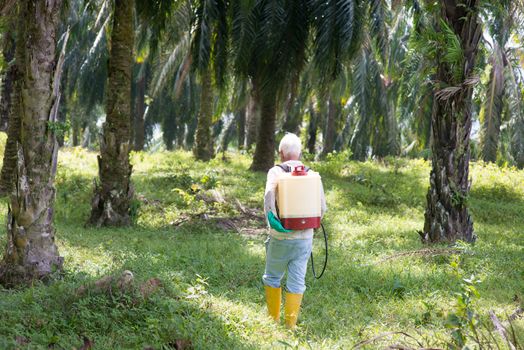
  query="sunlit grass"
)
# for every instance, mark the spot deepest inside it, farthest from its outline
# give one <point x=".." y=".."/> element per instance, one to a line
<point x="212" y="292"/>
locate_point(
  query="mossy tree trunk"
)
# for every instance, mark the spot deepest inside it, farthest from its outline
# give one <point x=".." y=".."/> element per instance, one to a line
<point x="203" y="148"/>
<point x="8" y="51"/>
<point x="447" y="218"/>
<point x="111" y="200"/>
<point x="9" y="121"/>
<point x="31" y="252"/>
<point x="264" y="157"/>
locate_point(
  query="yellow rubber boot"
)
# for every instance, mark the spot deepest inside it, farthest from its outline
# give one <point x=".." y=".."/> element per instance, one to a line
<point x="273" y="300"/>
<point x="292" y="309"/>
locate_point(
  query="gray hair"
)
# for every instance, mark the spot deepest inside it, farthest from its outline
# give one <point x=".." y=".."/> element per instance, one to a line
<point x="290" y="145"/>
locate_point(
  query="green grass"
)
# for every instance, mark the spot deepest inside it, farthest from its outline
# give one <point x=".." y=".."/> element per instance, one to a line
<point x="212" y="292"/>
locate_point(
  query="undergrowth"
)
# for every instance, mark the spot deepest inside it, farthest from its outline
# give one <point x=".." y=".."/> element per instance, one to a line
<point x="198" y="229"/>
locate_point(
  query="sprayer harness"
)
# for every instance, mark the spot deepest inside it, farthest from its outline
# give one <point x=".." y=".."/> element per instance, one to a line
<point x="288" y="169"/>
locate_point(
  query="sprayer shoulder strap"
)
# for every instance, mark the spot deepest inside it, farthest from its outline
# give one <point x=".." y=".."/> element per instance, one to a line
<point x="288" y="169"/>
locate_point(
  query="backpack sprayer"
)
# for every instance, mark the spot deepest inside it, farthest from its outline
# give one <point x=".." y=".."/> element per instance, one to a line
<point x="299" y="203"/>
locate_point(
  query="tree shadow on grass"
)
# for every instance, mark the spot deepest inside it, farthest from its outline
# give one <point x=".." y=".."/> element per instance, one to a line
<point x="377" y="190"/>
<point x="200" y="264"/>
<point x="345" y="300"/>
<point x="53" y="316"/>
<point x="350" y="296"/>
<point x="361" y="287"/>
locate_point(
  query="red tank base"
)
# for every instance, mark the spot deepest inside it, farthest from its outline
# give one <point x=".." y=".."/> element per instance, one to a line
<point x="300" y="223"/>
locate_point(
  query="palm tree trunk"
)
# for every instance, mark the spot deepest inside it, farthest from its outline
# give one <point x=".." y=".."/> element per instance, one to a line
<point x="9" y="121"/>
<point x="111" y="200"/>
<point x="293" y="114"/>
<point x="7" y="80"/>
<point x="360" y="140"/>
<point x="253" y="120"/>
<point x="169" y="132"/>
<point x="241" y="127"/>
<point x="386" y="138"/>
<point x="228" y="132"/>
<point x="293" y="120"/>
<point x="11" y="150"/>
<point x="203" y="148"/>
<point x="62" y="112"/>
<point x="139" y="124"/>
<point x="492" y="110"/>
<point x="190" y="133"/>
<point x="264" y="157"/>
<point x="447" y="218"/>
<point x="330" y="134"/>
<point x="75" y="126"/>
<point x="31" y="251"/>
<point x="312" y="129"/>
<point x="393" y="144"/>
<point x="517" y="141"/>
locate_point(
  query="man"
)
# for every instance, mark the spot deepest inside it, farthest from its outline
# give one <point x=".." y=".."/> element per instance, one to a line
<point x="285" y="249"/>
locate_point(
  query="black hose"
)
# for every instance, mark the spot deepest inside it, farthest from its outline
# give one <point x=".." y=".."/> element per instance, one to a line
<point x="325" y="257"/>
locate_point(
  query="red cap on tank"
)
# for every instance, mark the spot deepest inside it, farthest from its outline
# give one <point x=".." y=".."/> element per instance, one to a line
<point x="299" y="170"/>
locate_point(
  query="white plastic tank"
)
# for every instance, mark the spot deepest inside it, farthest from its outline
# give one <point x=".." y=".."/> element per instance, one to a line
<point x="298" y="199"/>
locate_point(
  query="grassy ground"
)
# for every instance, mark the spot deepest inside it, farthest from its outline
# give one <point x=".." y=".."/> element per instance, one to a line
<point x="207" y="250"/>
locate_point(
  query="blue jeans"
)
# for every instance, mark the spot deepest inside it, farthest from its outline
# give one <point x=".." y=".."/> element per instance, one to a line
<point x="291" y="255"/>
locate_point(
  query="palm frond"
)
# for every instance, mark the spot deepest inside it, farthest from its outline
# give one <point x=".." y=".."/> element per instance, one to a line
<point x="453" y="51"/>
<point x="170" y="66"/>
<point x="379" y="17"/>
<point x="491" y="114"/>
<point x="338" y="27"/>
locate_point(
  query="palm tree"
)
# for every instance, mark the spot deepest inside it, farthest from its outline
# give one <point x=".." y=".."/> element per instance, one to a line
<point x="505" y="19"/>
<point x="252" y="121"/>
<point x="377" y="81"/>
<point x="9" y="121"/>
<point x="365" y="76"/>
<point x="85" y="71"/>
<point x="415" y="78"/>
<point x="270" y="42"/>
<point x="312" y="129"/>
<point x="456" y="41"/>
<point x="517" y="140"/>
<point x="209" y="54"/>
<point x="110" y="204"/>
<point x="491" y="114"/>
<point x="155" y="19"/>
<point x="140" y="83"/>
<point x="203" y="148"/>
<point x="334" y="111"/>
<point x="31" y="251"/>
<point x="8" y="77"/>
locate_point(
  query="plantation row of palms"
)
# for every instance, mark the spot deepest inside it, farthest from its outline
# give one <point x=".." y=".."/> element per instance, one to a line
<point x="376" y="78"/>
